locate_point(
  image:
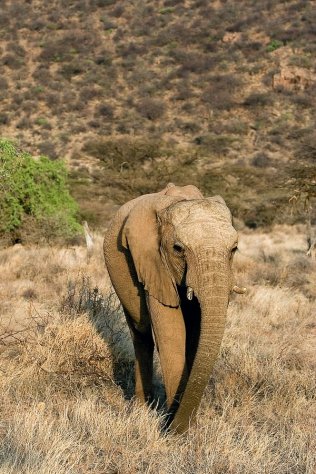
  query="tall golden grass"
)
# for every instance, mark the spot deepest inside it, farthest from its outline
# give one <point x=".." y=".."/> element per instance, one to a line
<point x="66" y="370"/>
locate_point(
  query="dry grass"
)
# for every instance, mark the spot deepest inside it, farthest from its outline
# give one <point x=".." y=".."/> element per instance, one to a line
<point x="38" y="276"/>
<point x="62" y="404"/>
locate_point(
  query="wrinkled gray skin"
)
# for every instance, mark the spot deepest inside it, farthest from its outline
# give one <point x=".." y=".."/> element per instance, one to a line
<point x="169" y="257"/>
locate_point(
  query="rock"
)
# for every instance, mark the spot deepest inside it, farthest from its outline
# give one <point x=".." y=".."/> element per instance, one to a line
<point x="293" y="78"/>
<point x="231" y="37"/>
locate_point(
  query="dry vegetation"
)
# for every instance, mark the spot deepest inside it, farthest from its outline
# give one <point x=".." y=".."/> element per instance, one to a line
<point x="66" y="378"/>
<point x="135" y="94"/>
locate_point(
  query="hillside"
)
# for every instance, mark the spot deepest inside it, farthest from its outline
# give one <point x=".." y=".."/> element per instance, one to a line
<point x="136" y="94"/>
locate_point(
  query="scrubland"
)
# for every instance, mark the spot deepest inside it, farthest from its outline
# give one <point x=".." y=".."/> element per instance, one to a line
<point x="66" y="370"/>
<point x="219" y="94"/>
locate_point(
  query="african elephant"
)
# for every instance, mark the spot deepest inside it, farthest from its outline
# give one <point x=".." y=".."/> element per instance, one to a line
<point x="169" y="257"/>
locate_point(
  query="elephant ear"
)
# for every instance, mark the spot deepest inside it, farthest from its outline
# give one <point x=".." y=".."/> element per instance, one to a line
<point x="141" y="235"/>
<point x="220" y="200"/>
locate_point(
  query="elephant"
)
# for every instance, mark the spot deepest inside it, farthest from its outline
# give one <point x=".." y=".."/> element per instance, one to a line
<point x="169" y="257"/>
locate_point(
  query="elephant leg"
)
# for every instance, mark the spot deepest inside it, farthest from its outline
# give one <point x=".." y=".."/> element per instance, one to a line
<point x="144" y="348"/>
<point x="169" y="331"/>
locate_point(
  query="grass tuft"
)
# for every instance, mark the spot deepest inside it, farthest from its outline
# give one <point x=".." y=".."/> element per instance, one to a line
<point x="66" y="372"/>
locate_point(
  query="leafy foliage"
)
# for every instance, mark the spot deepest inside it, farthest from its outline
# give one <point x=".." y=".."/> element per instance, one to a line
<point x="35" y="189"/>
<point x="273" y="45"/>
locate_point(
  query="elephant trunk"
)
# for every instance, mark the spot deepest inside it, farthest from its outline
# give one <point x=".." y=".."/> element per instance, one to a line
<point x="211" y="288"/>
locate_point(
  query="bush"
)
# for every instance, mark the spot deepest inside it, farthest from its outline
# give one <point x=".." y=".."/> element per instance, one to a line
<point x="219" y="93"/>
<point x="89" y="93"/>
<point x="258" y="99"/>
<point x="24" y="123"/>
<point x="127" y="152"/>
<point x="35" y="189"/>
<point x="302" y="100"/>
<point x="217" y="144"/>
<point x="151" y="109"/>
<point x="12" y="61"/>
<point x="3" y="83"/>
<point x="104" y="58"/>
<point x="192" y="61"/>
<point x="105" y="111"/>
<point x="47" y="148"/>
<point x="273" y="45"/>
<point x="4" y="119"/>
<point x="261" y="160"/>
<point x="117" y="12"/>
<point x="72" y="68"/>
<point x="306" y="150"/>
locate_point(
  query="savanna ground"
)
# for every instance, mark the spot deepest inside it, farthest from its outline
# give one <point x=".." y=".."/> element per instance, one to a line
<point x="66" y="369"/>
<point x="134" y="94"/>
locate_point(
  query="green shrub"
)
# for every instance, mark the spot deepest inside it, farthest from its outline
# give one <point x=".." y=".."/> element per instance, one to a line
<point x="273" y="45"/>
<point x="34" y="190"/>
<point x="164" y="11"/>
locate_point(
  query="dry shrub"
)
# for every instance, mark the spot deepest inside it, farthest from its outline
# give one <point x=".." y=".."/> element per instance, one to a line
<point x="219" y="94"/>
<point x="192" y="61"/>
<point x="104" y="312"/>
<point x="307" y="148"/>
<point x="258" y="99"/>
<point x="60" y="408"/>
<point x="297" y="272"/>
<point x="261" y="160"/>
<point x="58" y="354"/>
<point x="152" y="109"/>
<point x="11" y="61"/>
<point x="277" y="258"/>
<point x="105" y="111"/>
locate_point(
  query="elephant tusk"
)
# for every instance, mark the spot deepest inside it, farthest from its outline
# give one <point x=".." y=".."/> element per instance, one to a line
<point x="190" y="293"/>
<point x="240" y="291"/>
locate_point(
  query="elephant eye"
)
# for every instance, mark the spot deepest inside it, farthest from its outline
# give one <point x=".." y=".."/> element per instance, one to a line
<point x="233" y="251"/>
<point x="178" y="248"/>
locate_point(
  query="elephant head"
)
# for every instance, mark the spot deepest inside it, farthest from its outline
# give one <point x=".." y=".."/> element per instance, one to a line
<point x="182" y="250"/>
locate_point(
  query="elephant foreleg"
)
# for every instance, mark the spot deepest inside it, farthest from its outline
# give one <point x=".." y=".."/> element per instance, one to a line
<point x="169" y="330"/>
<point x="144" y="349"/>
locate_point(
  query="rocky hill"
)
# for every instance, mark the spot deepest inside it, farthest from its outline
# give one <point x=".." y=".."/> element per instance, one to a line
<point x="134" y="94"/>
